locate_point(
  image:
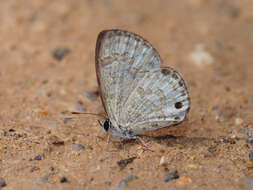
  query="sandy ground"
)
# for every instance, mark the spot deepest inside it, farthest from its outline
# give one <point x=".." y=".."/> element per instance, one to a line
<point x="47" y="69"/>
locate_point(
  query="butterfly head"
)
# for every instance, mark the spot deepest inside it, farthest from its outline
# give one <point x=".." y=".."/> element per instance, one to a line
<point x="108" y="127"/>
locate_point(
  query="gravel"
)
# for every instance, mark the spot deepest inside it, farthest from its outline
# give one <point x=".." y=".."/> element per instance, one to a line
<point x="123" y="183"/>
<point x="123" y="163"/>
<point x="2" y="182"/>
<point x="63" y="180"/>
<point x="60" y="53"/>
<point x="170" y="176"/>
<point x="38" y="157"/>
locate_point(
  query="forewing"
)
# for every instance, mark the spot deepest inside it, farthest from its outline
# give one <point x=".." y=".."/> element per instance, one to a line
<point x="160" y="100"/>
<point x="122" y="60"/>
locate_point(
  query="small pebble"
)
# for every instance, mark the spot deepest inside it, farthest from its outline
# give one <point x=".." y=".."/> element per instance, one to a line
<point x="123" y="163"/>
<point x="170" y="176"/>
<point x="2" y="182"/>
<point x="38" y="157"/>
<point x="60" y="53"/>
<point x="123" y="183"/>
<point x="77" y="147"/>
<point x="238" y="121"/>
<point x="12" y="130"/>
<point x="251" y="156"/>
<point x="162" y="161"/>
<point x="63" y="180"/>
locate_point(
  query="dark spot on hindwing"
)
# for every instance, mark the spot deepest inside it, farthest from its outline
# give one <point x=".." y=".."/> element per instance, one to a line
<point x="181" y="83"/>
<point x="165" y="71"/>
<point x="174" y="75"/>
<point x="178" y="105"/>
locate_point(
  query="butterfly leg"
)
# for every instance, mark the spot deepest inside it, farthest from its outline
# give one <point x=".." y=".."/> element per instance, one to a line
<point x="108" y="138"/>
<point x="141" y="140"/>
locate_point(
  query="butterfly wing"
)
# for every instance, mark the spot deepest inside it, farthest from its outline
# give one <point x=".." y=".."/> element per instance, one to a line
<point x="160" y="100"/>
<point x="122" y="60"/>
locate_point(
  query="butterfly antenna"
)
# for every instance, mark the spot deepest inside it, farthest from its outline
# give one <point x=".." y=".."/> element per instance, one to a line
<point x="85" y="113"/>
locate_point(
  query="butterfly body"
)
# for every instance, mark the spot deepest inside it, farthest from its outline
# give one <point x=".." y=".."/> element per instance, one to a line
<point x="137" y="93"/>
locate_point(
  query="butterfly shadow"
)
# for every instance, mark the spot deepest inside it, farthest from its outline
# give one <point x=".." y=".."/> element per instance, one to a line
<point x="171" y="137"/>
<point x="171" y="140"/>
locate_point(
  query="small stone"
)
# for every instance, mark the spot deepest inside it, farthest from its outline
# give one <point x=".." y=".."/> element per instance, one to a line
<point x="123" y="163"/>
<point x="63" y="180"/>
<point x="238" y="121"/>
<point x="162" y="161"/>
<point x="170" y="176"/>
<point x="60" y="53"/>
<point x="77" y="147"/>
<point x="251" y="156"/>
<point x="38" y="157"/>
<point x="12" y="130"/>
<point x="2" y="182"/>
<point x="123" y="183"/>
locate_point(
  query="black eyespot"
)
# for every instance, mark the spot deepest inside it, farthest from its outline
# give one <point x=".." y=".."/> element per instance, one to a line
<point x="107" y="125"/>
<point x="178" y="105"/>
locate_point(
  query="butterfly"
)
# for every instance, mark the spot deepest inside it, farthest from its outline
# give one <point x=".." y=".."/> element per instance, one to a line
<point x="138" y="94"/>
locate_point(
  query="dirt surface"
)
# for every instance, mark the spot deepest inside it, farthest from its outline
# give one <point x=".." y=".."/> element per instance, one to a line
<point x="47" y="69"/>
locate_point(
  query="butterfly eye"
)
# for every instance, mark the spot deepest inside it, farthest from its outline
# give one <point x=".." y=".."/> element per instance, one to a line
<point x="107" y="125"/>
<point x="178" y="105"/>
